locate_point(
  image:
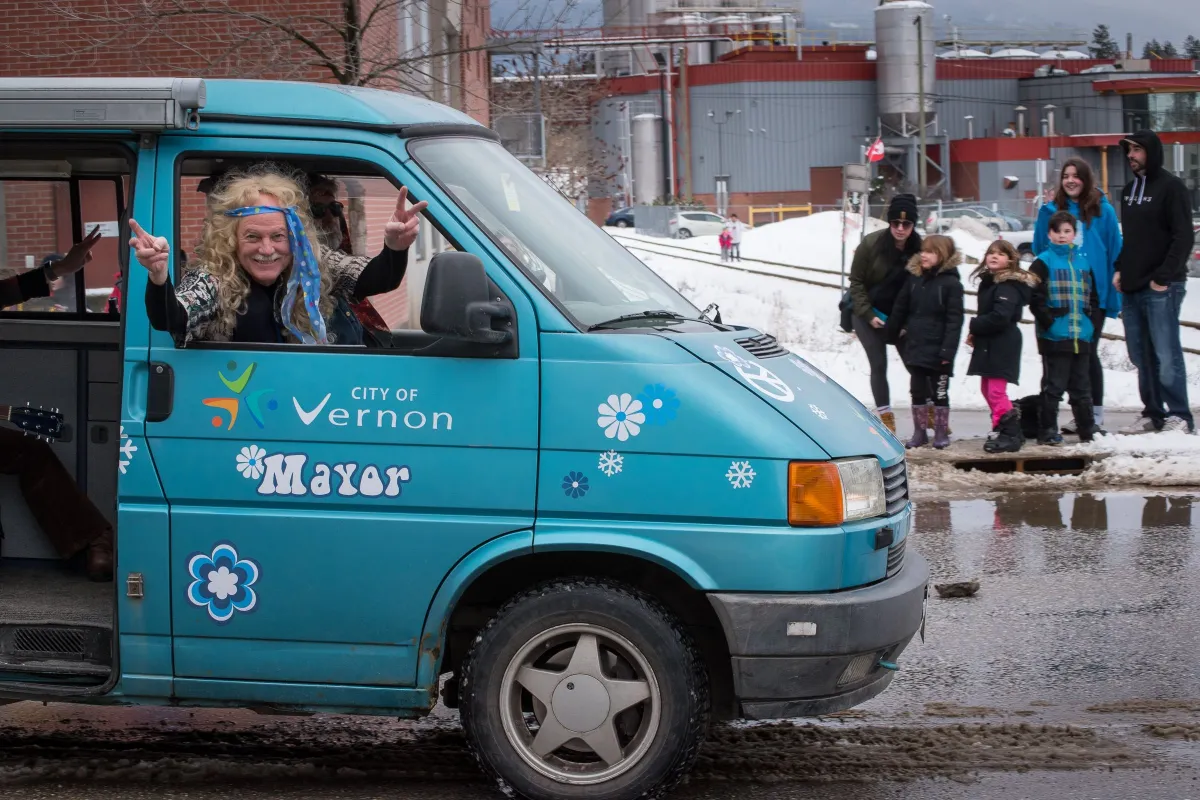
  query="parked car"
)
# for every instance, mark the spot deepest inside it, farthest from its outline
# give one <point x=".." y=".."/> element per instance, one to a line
<point x="1022" y="240"/>
<point x="936" y="223"/>
<point x="686" y="224"/>
<point x="621" y="218"/>
<point x="1014" y="222"/>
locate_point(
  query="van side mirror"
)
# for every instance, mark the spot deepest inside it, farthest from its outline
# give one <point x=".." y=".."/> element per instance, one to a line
<point x="458" y="301"/>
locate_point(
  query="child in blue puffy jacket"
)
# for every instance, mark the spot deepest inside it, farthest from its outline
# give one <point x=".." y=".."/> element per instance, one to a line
<point x="1062" y="305"/>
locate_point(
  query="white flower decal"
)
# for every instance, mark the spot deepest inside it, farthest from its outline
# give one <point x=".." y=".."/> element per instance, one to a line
<point x="222" y="583"/>
<point x="611" y="462"/>
<point x="250" y="461"/>
<point x="740" y="474"/>
<point x="816" y="410"/>
<point x="128" y="448"/>
<point x="621" y="417"/>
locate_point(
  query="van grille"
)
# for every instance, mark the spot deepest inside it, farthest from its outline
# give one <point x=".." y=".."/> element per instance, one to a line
<point x="895" y="487"/>
<point x="896" y="557"/>
<point x="764" y="346"/>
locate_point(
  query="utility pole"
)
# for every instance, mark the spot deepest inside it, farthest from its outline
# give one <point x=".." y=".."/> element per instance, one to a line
<point x="923" y="155"/>
<point x="685" y="129"/>
<point x="537" y="102"/>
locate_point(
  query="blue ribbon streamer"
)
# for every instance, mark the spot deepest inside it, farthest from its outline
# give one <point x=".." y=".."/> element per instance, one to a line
<point x="305" y="276"/>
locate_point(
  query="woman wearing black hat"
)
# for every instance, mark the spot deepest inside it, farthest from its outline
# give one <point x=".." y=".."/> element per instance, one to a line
<point x="877" y="275"/>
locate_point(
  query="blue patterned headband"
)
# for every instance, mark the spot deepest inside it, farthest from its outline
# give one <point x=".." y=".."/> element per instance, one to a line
<point x="305" y="277"/>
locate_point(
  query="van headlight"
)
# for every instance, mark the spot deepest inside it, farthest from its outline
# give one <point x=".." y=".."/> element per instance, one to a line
<point x="826" y="493"/>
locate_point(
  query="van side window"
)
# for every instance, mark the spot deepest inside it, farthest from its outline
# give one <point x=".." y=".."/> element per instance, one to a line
<point x="42" y="218"/>
<point x="349" y="206"/>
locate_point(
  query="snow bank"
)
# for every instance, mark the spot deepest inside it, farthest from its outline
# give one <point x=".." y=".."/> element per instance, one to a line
<point x="805" y="319"/>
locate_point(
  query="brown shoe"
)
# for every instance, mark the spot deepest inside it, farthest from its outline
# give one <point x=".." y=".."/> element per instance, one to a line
<point x="100" y="558"/>
<point x="889" y="420"/>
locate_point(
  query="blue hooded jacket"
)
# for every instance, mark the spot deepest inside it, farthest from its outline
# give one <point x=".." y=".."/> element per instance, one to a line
<point x="1100" y="243"/>
<point x="1063" y="300"/>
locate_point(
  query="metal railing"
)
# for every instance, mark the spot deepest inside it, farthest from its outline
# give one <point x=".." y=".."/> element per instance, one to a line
<point x="778" y="211"/>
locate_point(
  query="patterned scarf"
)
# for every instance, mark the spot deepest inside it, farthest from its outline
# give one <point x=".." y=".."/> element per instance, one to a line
<point x="305" y="276"/>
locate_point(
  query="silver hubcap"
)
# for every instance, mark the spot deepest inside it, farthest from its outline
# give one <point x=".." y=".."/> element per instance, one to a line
<point x="580" y="704"/>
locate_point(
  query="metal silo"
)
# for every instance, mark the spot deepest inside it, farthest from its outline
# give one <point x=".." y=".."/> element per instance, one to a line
<point x="898" y="71"/>
<point x="733" y="25"/>
<point x="691" y="25"/>
<point x="647" y="158"/>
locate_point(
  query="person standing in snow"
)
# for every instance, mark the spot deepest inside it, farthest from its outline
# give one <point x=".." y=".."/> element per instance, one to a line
<point x="725" y="240"/>
<point x="929" y="315"/>
<point x="877" y="274"/>
<point x="1151" y="275"/>
<point x="1004" y="291"/>
<point x="1099" y="240"/>
<point x="1062" y="306"/>
<point x="735" y="227"/>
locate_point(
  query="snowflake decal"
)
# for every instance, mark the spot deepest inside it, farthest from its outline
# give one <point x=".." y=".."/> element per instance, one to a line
<point x="250" y="461"/>
<point x="659" y="404"/>
<point x="575" y="485"/>
<point x="817" y="410"/>
<point x="621" y="417"/>
<point x="740" y="474"/>
<point x="221" y="582"/>
<point x="611" y="463"/>
<point x="804" y="366"/>
<point x="128" y="448"/>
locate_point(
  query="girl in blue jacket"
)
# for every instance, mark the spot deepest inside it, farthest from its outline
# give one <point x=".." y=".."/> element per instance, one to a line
<point x="1098" y="239"/>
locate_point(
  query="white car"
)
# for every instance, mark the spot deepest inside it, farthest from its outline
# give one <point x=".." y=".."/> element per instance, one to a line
<point x="686" y="224"/>
<point x="940" y="224"/>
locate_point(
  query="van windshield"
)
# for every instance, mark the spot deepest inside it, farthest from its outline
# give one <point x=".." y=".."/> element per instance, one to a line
<point x="590" y="275"/>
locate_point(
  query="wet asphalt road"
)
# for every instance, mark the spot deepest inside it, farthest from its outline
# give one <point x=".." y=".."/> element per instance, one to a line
<point x="1074" y="673"/>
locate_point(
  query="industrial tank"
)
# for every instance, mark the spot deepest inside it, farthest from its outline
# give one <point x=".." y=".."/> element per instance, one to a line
<point x="769" y="30"/>
<point x="691" y="25"/>
<point x="647" y="158"/>
<point x="898" y="70"/>
<point x="732" y="25"/>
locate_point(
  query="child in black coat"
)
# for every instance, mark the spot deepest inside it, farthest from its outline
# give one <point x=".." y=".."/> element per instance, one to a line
<point x="928" y="313"/>
<point x="1004" y="291"/>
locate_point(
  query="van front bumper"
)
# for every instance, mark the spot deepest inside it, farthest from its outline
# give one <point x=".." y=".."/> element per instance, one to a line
<point x="803" y="655"/>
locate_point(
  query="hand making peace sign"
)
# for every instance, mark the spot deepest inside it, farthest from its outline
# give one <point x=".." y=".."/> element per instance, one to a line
<point x="401" y="231"/>
<point x="152" y="253"/>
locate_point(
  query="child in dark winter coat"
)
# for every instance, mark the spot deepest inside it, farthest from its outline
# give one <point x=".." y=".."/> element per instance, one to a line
<point x="928" y="313"/>
<point x="1062" y="306"/>
<point x="1004" y="291"/>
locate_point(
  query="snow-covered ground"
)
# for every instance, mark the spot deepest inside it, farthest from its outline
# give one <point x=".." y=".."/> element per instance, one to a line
<point x="805" y="317"/>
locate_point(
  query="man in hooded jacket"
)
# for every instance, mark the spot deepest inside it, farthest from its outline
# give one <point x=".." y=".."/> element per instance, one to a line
<point x="1151" y="274"/>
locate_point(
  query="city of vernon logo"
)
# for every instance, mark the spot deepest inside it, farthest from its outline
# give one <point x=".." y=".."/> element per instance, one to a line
<point x="252" y="400"/>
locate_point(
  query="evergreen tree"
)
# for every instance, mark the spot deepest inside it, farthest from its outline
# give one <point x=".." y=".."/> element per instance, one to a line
<point x="1102" y="45"/>
<point x="1168" y="51"/>
<point x="1191" y="47"/>
<point x="1151" y="49"/>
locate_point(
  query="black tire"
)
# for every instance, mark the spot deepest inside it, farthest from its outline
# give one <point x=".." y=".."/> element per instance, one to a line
<point x="673" y="660"/>
<point x="995" y="228"/>
<point x="684" y="233"/>
<point x="622" y="223"/>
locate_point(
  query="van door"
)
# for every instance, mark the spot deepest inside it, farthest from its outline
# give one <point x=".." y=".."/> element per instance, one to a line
<point x="318" y="496"/>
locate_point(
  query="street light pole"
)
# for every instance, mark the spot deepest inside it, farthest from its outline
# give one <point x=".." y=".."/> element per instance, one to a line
<point x="720" y="152"/>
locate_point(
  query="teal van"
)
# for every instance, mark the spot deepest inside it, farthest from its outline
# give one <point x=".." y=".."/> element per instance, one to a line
<point x="549" y="492"/>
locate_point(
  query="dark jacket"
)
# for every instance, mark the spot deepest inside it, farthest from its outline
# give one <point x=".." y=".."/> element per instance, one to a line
<point x="1063" y="300"/>
<point x="1002" y="298"/>
<point x="877" y="273"/>
<point x="26" y="286"/>
<point x="930" y="311"/>
<point x="1156" y="218"/>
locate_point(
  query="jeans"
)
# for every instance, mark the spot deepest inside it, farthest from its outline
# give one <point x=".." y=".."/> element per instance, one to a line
<point x="1152" y="336"/>
<point x="995" y="392"/>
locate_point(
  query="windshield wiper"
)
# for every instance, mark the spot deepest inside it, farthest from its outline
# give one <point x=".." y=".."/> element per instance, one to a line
<point x="645" y="315"/>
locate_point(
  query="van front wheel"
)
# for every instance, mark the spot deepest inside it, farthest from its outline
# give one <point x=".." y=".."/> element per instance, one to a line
<point x="584" y="688"/>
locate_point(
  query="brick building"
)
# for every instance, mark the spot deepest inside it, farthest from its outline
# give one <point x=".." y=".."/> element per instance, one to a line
<point x="429" y="47"/>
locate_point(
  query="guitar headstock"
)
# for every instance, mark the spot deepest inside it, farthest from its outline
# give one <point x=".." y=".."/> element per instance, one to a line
<point x="39" y="421"/>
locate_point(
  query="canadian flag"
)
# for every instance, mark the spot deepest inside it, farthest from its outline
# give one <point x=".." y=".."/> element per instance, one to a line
<point x="876" y="152"/>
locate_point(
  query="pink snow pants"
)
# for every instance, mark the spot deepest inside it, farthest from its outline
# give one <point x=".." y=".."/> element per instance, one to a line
<point x="995" y="391"/>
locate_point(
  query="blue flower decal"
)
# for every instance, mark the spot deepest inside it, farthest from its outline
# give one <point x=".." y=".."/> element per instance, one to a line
<point x="659" y="404"/>
<point x="575" y="484"/>
<point x="221" y="582"/>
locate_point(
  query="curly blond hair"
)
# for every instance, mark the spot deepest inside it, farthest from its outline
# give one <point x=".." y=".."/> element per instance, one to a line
<point x="218" y="245"/>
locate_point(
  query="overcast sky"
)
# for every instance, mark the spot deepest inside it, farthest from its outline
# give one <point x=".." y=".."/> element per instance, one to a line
<point x="1161" y="19"/>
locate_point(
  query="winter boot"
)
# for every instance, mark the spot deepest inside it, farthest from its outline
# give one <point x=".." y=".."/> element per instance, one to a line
<point x="941" y="430"/>
<point x="1009" y="438"/>
<point x="931" y="422"/>
<point x="1048" y="422"/>
<point x="919" y="437"/>
<point x="1085" y="421"/>
<point x="888" y="419"/>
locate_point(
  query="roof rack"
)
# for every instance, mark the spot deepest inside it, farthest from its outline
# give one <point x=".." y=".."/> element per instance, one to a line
<point x="139" y="104"/>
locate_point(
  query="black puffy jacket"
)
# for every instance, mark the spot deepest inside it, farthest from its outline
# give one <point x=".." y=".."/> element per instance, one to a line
<point x="1002" y="299"/>
<point x="929" y="311"/>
